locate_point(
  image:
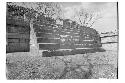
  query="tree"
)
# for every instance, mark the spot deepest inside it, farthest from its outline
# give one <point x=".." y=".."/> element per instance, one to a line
<point x="86" y="18"/>
<point x="49" y="9"/>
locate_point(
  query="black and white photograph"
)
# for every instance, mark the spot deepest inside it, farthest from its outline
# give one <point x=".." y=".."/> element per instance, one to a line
<point x="62" y="40"/>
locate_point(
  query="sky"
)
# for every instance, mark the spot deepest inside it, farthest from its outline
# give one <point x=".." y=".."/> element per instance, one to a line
<point x="107" y="10"/>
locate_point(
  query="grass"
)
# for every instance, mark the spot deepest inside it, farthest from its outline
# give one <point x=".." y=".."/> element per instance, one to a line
<point x="25" y="67"/>
<point x="30" y="67"/>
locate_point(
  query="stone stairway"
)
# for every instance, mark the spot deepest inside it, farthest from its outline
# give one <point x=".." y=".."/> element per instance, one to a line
<point x="50" y="38"/>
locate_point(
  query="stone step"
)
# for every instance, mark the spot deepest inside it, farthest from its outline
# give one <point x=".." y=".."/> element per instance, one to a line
<point x="69" y="33"/>
<point x="51" y="46"/>
<point x="71" y="52"/>
<point x="10" y="40"/>
<point x="43" y="30"/>
<point x="75" y="46"/>
<point x="57" y="34"/>
<point x="46" y="40"/>
<point x="88" y="45"/>
<point x="55" y="46"/>
<point x="47" y="35"/>
<point x="17" y="47"/>
<point x="17" y="35"/>
<point x="43" y="26"/>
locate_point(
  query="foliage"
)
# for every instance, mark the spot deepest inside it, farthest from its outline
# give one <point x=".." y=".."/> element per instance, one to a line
<point x="50" y="9"/>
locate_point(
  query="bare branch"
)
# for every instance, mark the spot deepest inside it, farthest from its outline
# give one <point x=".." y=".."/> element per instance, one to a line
<point x="92" y="24"/>
<point x="86" y="18"/>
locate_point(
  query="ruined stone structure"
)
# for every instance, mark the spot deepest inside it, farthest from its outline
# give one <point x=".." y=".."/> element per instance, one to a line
<point x="17" y="30"/>
<point x="46" y="35"/>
